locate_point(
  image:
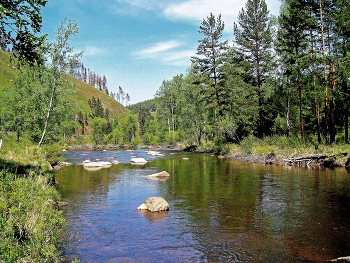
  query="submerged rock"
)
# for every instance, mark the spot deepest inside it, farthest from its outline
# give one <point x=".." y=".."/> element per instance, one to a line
<point x="155" y="204"/>
<point x="59" y="204"/>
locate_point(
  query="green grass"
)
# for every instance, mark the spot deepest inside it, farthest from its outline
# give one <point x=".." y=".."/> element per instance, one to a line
<point x="84" y="92"/>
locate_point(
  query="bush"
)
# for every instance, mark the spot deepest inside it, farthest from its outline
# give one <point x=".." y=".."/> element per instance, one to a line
<point x="53" y="153"/>
<point x="247" y="144"/>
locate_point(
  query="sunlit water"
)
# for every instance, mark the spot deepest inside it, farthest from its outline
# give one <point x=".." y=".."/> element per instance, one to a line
<point x="220" y="211"/>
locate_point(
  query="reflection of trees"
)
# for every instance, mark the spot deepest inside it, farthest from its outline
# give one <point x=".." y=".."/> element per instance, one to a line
<point x="289" y="213"/>
<point x="306" y="211"/>
<point x="217" y="197"/>
<point x="75" y="180"/>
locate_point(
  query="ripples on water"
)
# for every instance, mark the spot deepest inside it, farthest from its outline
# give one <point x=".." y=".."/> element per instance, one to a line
<point x="220" y="211"/>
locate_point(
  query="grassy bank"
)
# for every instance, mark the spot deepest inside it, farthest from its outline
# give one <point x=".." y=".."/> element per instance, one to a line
<point x="276" y="148"/>
<point x="29" y="226"/>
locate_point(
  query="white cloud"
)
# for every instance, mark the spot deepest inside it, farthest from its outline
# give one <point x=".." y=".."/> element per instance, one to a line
<point x="127" y="6"/>
<point x="179" y="58"/>
<point x="93" y="51"/>
<point x="197" y="10"/>
<point x="157" y="48"/>
<point x="167" y="53"/>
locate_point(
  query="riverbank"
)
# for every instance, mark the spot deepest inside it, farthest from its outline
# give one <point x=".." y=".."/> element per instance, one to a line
<point x="275" y="150"/>
<point x="29" y="223"/>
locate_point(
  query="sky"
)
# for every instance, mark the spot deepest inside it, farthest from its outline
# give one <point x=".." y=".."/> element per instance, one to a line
<point x="137" y="44"/>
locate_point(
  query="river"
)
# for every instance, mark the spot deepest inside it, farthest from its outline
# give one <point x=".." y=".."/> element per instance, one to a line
<point x="220" y="210"/>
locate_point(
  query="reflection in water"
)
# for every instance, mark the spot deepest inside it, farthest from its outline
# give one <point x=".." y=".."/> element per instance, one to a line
<point x="220" y="211"/>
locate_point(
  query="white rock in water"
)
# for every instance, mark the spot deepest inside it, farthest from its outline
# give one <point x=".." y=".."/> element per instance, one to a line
<point x="105" y="164"/>
<point x="96" y="164"/>
<point x="92" y="164"/>
<point x="138" y="160"/>
<point x="161" y="174"/>
<point x="154" y="204"/>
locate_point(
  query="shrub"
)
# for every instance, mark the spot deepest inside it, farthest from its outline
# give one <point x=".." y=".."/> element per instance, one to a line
<point x="53" y="153"/>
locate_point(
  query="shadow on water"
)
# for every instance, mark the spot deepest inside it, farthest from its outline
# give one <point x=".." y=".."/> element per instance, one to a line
<point x="220" y="211"/>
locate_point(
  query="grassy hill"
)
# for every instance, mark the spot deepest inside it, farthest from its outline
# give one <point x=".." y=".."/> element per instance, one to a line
<point x="83" y="91"/>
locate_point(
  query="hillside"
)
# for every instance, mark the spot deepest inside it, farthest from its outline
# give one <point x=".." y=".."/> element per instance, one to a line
<point x="83" y="91"/>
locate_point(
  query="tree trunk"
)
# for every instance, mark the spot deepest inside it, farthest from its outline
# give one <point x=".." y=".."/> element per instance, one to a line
<point x="48" y="112"/>
<point x="288" y="116"/>
<point x="325" y="75"/>
<point x="301" y="110"/>
<point x="317" y="112"/>
<point x="216" y="86"/>
<point x="346" y="106"/>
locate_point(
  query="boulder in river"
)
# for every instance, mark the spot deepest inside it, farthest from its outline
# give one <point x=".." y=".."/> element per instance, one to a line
<point x="155" y="204"/>
<point x="160" y="174"/>
<point x="138" y="161"/>
<point x="95" y="166"/>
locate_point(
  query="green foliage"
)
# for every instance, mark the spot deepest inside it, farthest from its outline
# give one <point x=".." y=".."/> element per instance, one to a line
<point x="99" y="127"/>
<point x="136" y="140"/>
<point x="29" y="225"/>
<point x="20" y="21"/>
<point x="25" y="104"/>
<point x="53" y="153"/>
<point x="148" y="105"/>
<point x="130" y="127"/>
<point x="97" y="109"/>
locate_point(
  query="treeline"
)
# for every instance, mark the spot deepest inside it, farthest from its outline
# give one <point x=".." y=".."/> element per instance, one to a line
<point x="148" y="105"/>
<point x="284" y="76"/>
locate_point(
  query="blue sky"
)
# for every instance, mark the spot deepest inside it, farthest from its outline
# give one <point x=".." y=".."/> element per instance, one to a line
<point x="137" y="44"/>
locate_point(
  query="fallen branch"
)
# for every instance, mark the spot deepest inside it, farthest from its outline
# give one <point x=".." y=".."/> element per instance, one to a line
<point x="309" y="159"/>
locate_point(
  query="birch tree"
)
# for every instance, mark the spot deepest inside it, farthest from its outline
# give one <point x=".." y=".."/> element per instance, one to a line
<point x="62" y="56"/>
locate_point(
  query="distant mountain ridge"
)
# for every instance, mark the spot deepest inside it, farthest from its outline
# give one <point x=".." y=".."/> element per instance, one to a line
<point x="83" y="91"/>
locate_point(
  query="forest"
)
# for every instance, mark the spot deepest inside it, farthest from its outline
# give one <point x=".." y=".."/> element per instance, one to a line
<point x="278" y="76"/>
<point x="285" y="76"/>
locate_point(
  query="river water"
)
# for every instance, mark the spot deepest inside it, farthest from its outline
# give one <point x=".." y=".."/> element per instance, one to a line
<point x="220" y="210"/>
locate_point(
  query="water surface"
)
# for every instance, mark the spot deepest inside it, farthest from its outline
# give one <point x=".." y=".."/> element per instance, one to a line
<point x="220" y="211"/>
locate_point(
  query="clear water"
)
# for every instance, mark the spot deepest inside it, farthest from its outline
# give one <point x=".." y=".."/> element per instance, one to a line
<point x="220" y="211"/>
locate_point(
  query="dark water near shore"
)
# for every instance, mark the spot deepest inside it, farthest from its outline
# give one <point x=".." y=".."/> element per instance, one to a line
<point x="220" y="211"/>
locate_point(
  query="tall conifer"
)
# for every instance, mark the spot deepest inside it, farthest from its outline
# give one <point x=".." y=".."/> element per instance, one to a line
<point x="253" y="39"/>
<point x="211" y="55"/>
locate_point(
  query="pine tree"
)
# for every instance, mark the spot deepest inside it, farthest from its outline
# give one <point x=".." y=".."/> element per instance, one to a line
<point x="211" y="56"/>
<point x="294" y="23"/>
<point x="253" y="37"/>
